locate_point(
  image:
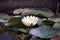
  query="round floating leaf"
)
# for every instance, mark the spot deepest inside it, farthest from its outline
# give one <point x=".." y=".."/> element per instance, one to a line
<point x="16" y="22"/>
<point x="46" y="12"/>
<point x="42" y="12"/>
<point x="15" y="29"/>
<point x="40" y="22"/>
<point x="10" y="24"/>
<point x="4" y="16"/>
<point x="3" y="28"/>
<point x="3" y="21"/>
<point x="55" y="19"/>
<point x="18" y="11"/>
<point x="43" y="32"/>
<point x="24" y="30"/>
<point x="6" y="36"/>
<point x="29" y="11"/>
<point x="56" y="26"/>
<point x="48" y="22"/>
<point x="15" y="19"/>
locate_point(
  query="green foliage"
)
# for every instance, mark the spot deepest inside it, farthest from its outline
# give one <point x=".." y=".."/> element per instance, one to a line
<point x="43" y="31"/>
<point x="43" y="12"/>
<point x="44" y="28"/>
<point x="56" y="25"/>
<point x="16" y="22"/>
<point x="3" y="28"/>
<point x="48" y="22"/>
<point x="4" y="16"/>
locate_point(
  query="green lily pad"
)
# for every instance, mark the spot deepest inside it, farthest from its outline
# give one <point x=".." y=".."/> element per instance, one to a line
<point x="16" y="22"/>
<point x="46" y="12"/>
<point x="40" y="22"/>
<point x="4" y="16"/>
<point x="43" y="32"/>
<point x="56" y="26"/>
<point x="18" y="11"/>
<point x="15" y="30"/>
<point x="29" y="11"/>
<point x="3" y="28"/>
<point x="49" y="22"/>
<point x="55" y="19"/>
<point x="24" y="30"/>
<point x="42" y="12"/>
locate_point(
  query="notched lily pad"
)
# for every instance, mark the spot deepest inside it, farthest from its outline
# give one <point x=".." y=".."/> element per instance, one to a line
<point x="42" y="12"/>
<point x="46" y="12"/>
<point x="43" y="32"/>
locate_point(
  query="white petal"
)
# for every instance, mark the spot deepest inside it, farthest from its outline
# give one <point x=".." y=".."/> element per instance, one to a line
<point x="28" y="20"/>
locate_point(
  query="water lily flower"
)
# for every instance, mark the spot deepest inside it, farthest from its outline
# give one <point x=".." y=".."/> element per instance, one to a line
<point x="30" y="20"/>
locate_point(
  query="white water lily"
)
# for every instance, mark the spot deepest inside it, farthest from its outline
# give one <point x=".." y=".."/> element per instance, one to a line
<point x="30" y="20"/>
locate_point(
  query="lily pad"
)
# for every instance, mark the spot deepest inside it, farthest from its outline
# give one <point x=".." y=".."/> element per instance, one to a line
<point x="48" y="22"/>
<point x="40" y="22"/>
<point x="16" y="22"/>
<point x="56" y="26"/>
<point x="18" y="11"/>
<point x="3" y="28"/>
<point x="43" y="32"/>
<point x="3" y="20"/>
<point x="46" y="12"/>
<point x="24" y="30"/>
<point x="43" y="11"/>
<point x="15" y="29"/>
<point x="29" y="11"/>
<point x="55" y="19"/>
<point x="4" y="16"/>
